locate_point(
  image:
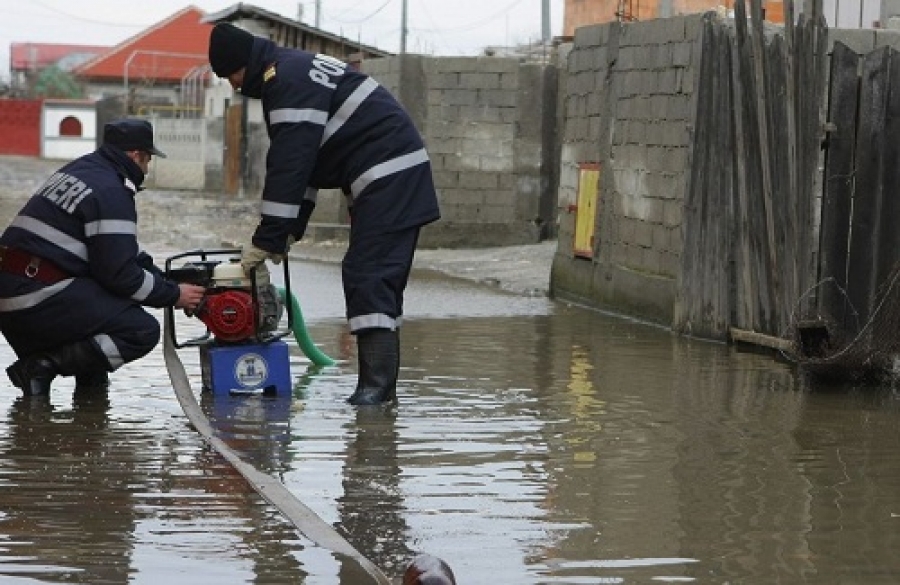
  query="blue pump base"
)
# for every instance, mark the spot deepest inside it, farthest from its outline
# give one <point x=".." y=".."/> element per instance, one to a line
<point x="251" y="368"/>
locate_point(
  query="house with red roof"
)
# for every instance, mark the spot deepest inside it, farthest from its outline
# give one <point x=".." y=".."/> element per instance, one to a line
<point x="31" y="57"/>
<point x="29" y="61"/>
<point x="164" y="67"/>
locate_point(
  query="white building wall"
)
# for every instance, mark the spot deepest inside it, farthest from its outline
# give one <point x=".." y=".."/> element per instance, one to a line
<point x="56" y="146"/>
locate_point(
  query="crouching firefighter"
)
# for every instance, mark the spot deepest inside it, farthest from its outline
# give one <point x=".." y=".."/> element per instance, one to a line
<point x="72" y="278"/>
<point x="331" y="126"/>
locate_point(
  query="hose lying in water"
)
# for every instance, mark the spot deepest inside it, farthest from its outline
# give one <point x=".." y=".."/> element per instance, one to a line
<point x="273" y="491"/>
<point x="310" y="349"/>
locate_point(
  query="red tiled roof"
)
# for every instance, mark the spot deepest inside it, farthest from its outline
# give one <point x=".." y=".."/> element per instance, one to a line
<point x="34" y="56"/>
<point x="166" y="52"/>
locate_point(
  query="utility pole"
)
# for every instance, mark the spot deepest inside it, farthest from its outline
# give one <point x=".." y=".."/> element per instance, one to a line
<point x="545" y="21"/>
<point x="318" y="13"/>
<point x="403" y="29"/>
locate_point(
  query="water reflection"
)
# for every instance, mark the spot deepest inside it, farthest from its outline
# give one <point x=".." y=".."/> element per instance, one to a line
<point x="371" y="505"/>
<point x="257" y="427"/>
<point x="56" y="518"/>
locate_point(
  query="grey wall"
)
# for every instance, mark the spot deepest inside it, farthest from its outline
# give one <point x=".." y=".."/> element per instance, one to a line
<point x="489" y="124"/>
<point x="629" y="106"/>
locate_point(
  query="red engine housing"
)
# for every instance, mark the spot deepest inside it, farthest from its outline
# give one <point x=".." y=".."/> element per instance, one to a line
<point x="229" y="315"/>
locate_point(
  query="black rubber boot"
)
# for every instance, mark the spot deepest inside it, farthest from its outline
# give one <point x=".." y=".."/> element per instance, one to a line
<point x="92" y="381"/>
<point x="34" y="374"/>
<point x="378" y="352"/>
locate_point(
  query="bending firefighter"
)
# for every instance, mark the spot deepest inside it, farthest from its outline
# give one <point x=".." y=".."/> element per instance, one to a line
<point x="72" y="278"/>
<point x="333" y="127"/>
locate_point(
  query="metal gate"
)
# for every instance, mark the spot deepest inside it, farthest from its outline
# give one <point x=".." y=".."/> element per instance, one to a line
<point x="183" y="140"/>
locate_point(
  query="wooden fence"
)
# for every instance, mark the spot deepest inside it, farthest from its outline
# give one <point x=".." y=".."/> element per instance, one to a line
<point x="749" y="252"/>
<point x="860" y="239"/>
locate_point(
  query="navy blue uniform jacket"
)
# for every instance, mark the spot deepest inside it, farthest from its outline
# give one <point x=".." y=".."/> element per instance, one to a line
<point x="84" y="220"/>
<point x="333" y="127"/>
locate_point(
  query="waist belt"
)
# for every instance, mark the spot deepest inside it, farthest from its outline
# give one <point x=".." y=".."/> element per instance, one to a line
<point x="13" y="261"/>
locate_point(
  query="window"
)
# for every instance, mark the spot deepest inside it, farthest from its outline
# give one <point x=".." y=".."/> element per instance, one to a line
<point x="70" y="126"/>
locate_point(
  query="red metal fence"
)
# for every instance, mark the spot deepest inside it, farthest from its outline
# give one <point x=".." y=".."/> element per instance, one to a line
<point x="20" y="127"/>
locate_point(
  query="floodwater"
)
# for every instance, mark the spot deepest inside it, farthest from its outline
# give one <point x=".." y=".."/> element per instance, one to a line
<point x="534" y="443"/>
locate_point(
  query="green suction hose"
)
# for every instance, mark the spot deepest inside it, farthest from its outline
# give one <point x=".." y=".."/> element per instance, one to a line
<point x="309" y="348"/>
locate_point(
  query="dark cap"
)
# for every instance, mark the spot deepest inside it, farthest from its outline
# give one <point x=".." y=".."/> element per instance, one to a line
<point x="229" y="48"/>
<point x="131" y="134"/>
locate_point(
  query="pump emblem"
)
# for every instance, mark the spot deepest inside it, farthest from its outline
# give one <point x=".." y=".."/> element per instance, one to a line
<point x="250" y="370"/>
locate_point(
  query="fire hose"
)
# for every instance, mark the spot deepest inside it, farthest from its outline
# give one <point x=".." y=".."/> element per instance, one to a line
<point x="273" y="491"/>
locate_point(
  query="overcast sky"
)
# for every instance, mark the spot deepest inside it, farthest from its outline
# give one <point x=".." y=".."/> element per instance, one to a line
<point x="850" y="13"/>
<point x="436" y="27"/>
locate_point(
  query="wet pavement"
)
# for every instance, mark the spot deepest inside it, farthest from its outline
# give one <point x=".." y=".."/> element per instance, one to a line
<point x="534" y="443"/>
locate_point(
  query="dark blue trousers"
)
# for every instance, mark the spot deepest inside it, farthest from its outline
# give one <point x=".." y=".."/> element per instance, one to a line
<point x="375" y="272"/>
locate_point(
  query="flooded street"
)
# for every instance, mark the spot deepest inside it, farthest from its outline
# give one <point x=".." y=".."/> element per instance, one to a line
<point x="534" y="443"/>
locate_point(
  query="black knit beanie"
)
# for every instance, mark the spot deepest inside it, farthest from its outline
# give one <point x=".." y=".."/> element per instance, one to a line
<point x="229" y="48"/>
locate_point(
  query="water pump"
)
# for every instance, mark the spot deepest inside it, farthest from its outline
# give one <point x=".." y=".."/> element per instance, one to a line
<point x="230" y="310"/>
<point x="242" y="350"/>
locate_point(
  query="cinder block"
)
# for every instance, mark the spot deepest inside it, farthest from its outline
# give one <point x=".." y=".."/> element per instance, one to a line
<point x="497" y="97"/>
<point x="479" y="80"/>
<point x="482" y="180"/>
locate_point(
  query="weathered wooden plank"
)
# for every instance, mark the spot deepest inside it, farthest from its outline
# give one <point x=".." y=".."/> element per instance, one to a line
<point x="745" y="305"/>
<point x="695" y="302"/>
<point x="761" y="293"/>
<point x="810" y="101"/>
<point x="721" y="185"/>
<point x="793" y="192"/>
<point x="861" y="274"/>
<point x="685" y="309"/>
<point x="761" y="339"/>
<point x="889" y="235"/>
<point x="837" y="195"/>
<point x="759" y="68"/>
<point x="781" y="166"/>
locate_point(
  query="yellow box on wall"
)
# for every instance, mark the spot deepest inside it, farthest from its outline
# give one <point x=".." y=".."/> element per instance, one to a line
<point x="586" y="209"/>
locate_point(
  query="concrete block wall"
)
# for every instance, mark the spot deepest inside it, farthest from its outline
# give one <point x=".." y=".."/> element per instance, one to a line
<point x="650" y="144"/>
<point x="486" y="122"/>
<point x="629" y="106"/>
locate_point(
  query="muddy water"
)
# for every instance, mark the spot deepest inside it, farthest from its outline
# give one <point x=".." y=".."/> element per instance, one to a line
<point x="534" y="443"/>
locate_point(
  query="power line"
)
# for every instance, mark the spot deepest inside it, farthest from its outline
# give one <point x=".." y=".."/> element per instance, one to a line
<point x="364" y="18"/>
<point x="474" y="25"/>
<point x="89" y="20"/>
